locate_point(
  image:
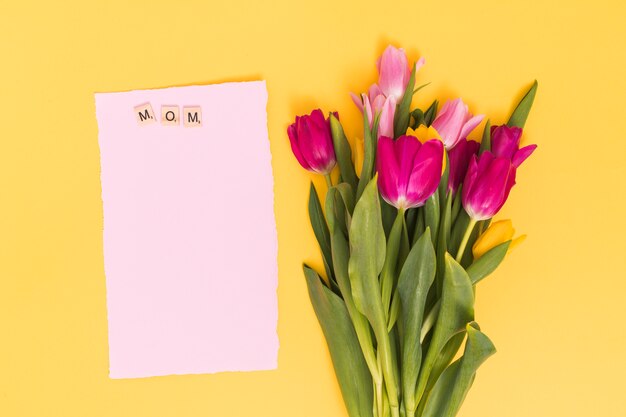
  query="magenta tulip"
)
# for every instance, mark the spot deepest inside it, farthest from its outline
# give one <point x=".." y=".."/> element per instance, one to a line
<point x="505" y="142"/>
<point x="312" y="142"/>
<point x="408" y="172"/>
<point x="459" y="158"/>
<point x="454" y="122"/>
<point x="487" y="184"/>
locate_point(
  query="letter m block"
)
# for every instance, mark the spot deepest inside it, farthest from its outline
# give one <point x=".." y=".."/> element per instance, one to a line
<point x="144" y="114"/>
<point x="192" y="116"/>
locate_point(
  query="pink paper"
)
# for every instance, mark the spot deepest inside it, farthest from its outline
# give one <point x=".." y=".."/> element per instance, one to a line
<point x="190" y="248"/>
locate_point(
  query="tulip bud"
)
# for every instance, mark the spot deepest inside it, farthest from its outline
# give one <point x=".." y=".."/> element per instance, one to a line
<point x="505" y="141"/>
<point x="497" y="233"/>
<point x="312" y="143"/>
<point x="393" y="67"/>
<point x="408" y="172"/>
<point x="454" y="122"/>
<point x="487" y="185"/>
<point x="459" y="158"/>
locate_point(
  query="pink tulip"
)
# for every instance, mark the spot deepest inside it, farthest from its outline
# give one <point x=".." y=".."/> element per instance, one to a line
<point x="375" y="103"/>
<point x="312" y="142"/>
<point x="487" y="184"/>
<point x="459" y="159"/>
<point x="382" y="98"/>
<point x="394" y="72"/>
<point x="454" y="122"/>
<point x="505" y="142"/>
<point x="408" y="172"/>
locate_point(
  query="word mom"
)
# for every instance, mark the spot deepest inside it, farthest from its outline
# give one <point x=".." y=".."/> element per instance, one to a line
<point x="192" y="115"/>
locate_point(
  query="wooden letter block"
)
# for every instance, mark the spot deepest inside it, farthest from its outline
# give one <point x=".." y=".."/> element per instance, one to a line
<point x="192" y="116"/>
<point x="144" y="114"/>
<point x="170" y="116"/>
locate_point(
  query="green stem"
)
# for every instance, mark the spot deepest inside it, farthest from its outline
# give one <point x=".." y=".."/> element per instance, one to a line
<point x="468" y="232"/>
<point x="387" y="275"/>
<point x="329" y="181"/>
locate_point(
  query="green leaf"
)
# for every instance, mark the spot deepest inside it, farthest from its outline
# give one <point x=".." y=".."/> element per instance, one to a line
<point x="342" y="152"/>
<point x="347" y="196"/>
<point x="418" y="118"/>
<point x="431" y="113"/>
<point x="457" y="309"/>
<point x="487" y="263"/>
<point x="419" y="225"/>
<point x="443" y="182"/>
<point x="442" y="241"/>
<point x="485" y="142"/>
<point x="451" y="389"/>
<point x="421" y="86"/>
<point x="350" y="367"/>
<point x="367" y="249"/>
<point x="367" y="244"/>
<point x="320" y="228"/>
<point x="341" y="254"/>
<point x="416" y="277"/>
<point x="520" y="114"/>
<point x="402" y="116"/>
<point x="388" y="273"/>
<point x="432" y="212"/>
<point x="369" y="157"/>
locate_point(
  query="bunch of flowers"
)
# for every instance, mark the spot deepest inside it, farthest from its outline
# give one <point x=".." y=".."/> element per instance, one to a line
<point x="405" y="236"/>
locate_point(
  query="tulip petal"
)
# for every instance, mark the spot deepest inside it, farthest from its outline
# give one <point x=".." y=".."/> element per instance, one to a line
<point x="450" y="121"/>
<point x="374" y="91"/>
<point x="426" y="173"/>
<point x="459" y="158"/>
<point x="367" y="105"/>
<point x="295" y="148"/>
<point x="470" y="180"/>
<point x="358" y="101"/>
<point x="516" y="242"/>
<point x="406" y="148"/>
<point x="419" y="64"/>
<point x="522" y="154"/>
<point x="385" y="126"/>
<point x="497" y="233"/>
<point x="470" y="125"/>
<point x="505" y="140"/>
<point x="316" y="143"/>
<point x="388" y="170"/>
<point x="394" y="72"/>
<point x="510" y="182"/>
<point x="489" y="192"/>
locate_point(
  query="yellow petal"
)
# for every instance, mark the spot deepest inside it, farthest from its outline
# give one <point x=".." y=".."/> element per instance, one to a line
<point x="424" y="133"/>
<point x="359" y="153"/>
<point x="516" y="242"/>
<point x="497" y="233"/>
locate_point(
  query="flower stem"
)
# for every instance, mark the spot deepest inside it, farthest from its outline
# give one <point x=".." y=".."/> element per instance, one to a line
<point x="329" y="181"/>
<point x="468" y="232"/>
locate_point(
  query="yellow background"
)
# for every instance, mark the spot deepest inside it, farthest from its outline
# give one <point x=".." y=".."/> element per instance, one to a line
<point x="555" y="309"/>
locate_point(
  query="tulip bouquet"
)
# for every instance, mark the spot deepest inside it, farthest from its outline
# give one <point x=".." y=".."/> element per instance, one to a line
<point x="405" y="236"/>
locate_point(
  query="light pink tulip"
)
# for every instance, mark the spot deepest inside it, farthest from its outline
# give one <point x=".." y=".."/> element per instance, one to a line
<point x="382" y="98"/>
<point x="394" y="72"/>
<point x="376" y="103"/>
<point x="454" y="122"/>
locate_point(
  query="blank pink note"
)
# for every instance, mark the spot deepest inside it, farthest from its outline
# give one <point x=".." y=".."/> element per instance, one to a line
<point x="189" y="232"/>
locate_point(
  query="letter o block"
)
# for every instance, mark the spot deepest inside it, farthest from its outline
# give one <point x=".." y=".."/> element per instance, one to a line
<point x="170" y="115"/>
<point x="192" y="116"/>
